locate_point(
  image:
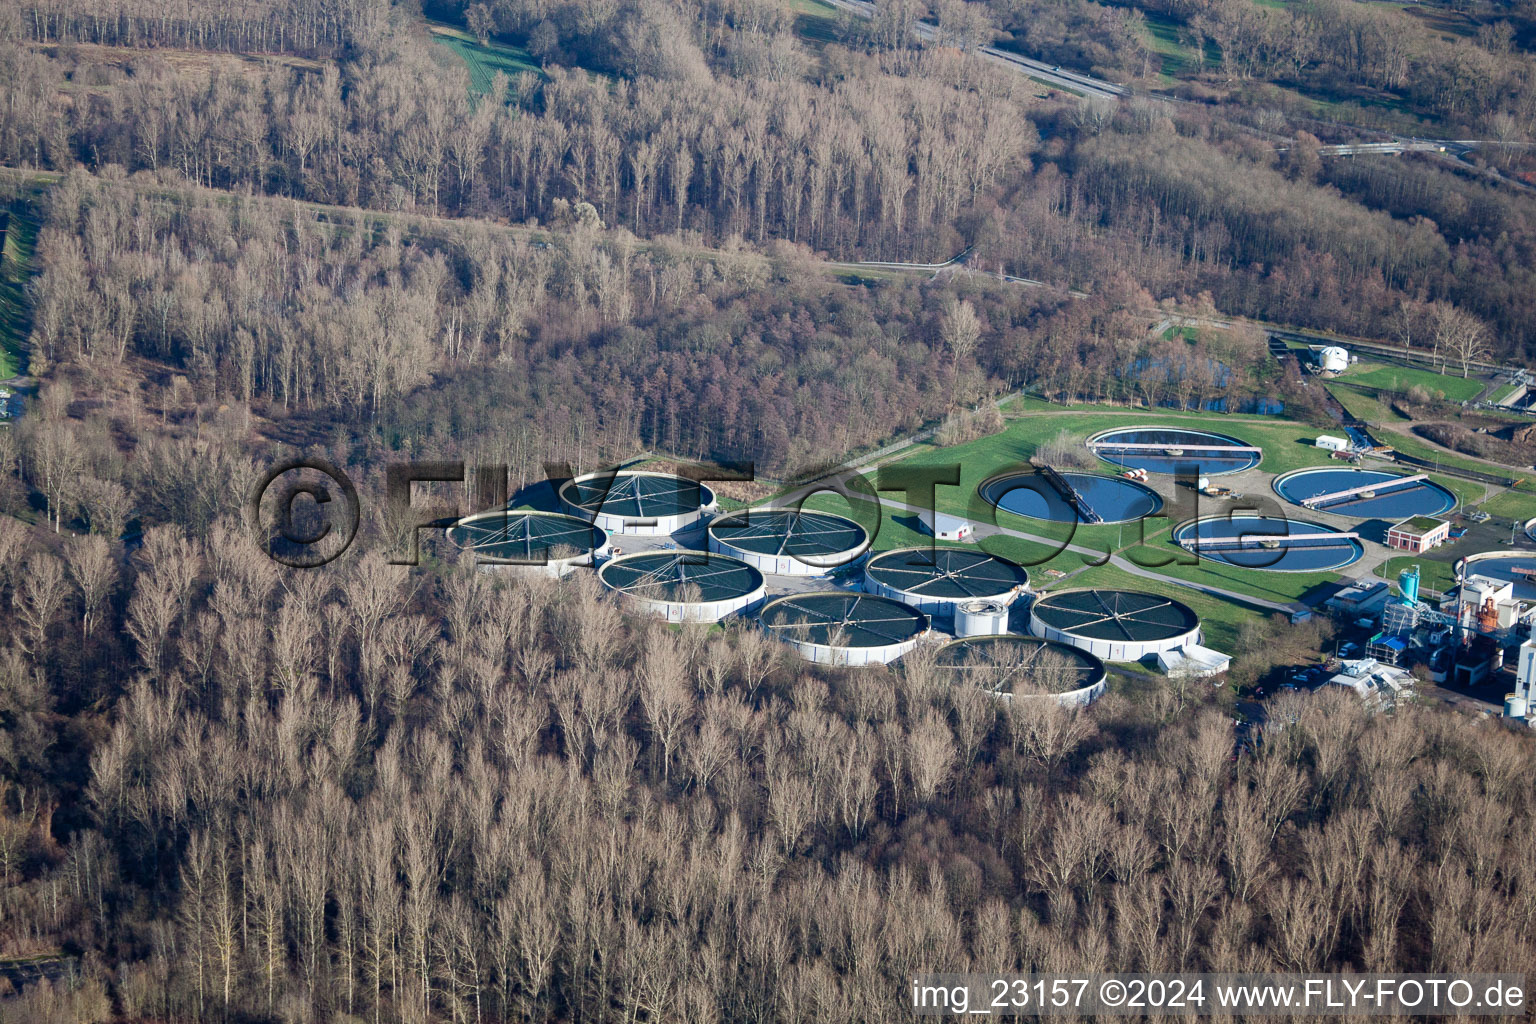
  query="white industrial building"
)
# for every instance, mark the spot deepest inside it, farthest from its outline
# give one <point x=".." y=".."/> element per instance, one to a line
<point x="1192" y="661"/>
<point x="1375" y="682"/>
<point x="947" y="527"/>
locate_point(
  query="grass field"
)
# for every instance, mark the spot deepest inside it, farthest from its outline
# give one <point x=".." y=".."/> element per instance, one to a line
<point x="1515" y="505"/>
<point x="816" y="22"/>
<point x="1468" y="492"/>
<point x="484" y="61"/>
<point x="1503" y="392"/>
<point x="1433" y="575"/>
<point x="1177" y="58"/>
<point x="1401" y="378"/>
<point x="1363" y="405"/>
<point x="15" y="268"/>
<point x="1270" y="586"/>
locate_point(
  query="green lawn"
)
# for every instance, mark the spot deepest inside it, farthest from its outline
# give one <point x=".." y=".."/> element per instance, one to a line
<point x="15" y="269"/>
<point x="1433" y="575"/>
<point x="484" y="61"/>
<point x="1503" y="392"/>
<point x="1363" y="405"/>
<point x="1468" y="492"/>
<point x="1175" y="56"/>
<point x="1260" y="583"/>
<point x="1401" y="378"/>
<point x="1515" y="505"/>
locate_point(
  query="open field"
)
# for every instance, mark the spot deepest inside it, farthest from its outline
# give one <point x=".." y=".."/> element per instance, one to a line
<point x="1515" y="505"/>
<point x="199" y="65"/>
<point x="483" y="61"/>
<point x="1433" y="575"/>
<point x="1401" y="378"/>
<point x="1412" y="445"/>
<point x="1270" y="586"/>
<point x="1468" y="492"/>
<point x="1362" y="405"/>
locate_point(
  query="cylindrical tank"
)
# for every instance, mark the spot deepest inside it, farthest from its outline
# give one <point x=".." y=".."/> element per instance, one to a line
<point x="1334" y="359"/>
<point x="1515" y="706"/>
<point x="981" y="618"/>
<point x="1408" y="583"/>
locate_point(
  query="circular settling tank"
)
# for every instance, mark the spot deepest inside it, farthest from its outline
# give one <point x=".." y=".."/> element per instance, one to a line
<point x="534" y="542"/>
<point x="1071" y="497"/>
<point x="1114" y="625"/>
<point x="684" y="586"/>
<point x="1275" y="543"/>
<point x="934" y="580"/>
<point x="787" y="541"/>
<point x="1365" y="493"/>
<point x="844" y="628"/>
<point x="637" y="503"/>
<point x="1024" y="666"/>
<point x="1166" y="449"/>
<point x="1517" y="567"/>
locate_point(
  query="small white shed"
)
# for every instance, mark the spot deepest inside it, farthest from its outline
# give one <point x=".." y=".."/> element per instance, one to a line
<point x="948" y="527"/>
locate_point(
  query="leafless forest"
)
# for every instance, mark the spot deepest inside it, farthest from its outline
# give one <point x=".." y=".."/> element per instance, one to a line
<point x="391" y="797"/>
<point x="720" y="122"/>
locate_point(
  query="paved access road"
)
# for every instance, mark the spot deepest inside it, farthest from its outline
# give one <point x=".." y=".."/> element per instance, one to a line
<point x="1048" y="73"/>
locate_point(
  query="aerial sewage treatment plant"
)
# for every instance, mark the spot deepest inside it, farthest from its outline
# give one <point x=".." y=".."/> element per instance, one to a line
<point x="1365" y="493"/>
<point x="636" y="503"/>
<point x="904" y="597"/>
<point x="939" y="580"/>
<point x="838" y="627"/>
<point x="684" y="586"/>
<point x="1115" y="625"/>
<point x="788" y="541"/>
<point x="1071" y="497"/>
<point x="1167" y="450"/>
<point x="1024" y="667"/>
<point x="1275" y="543"/>
<point x="545" y="543"/>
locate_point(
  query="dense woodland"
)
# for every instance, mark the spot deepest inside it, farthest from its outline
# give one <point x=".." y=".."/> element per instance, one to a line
<point x="356" y="794"/>
<point x="858" y="149"/>
<point x="235" y="792"/>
